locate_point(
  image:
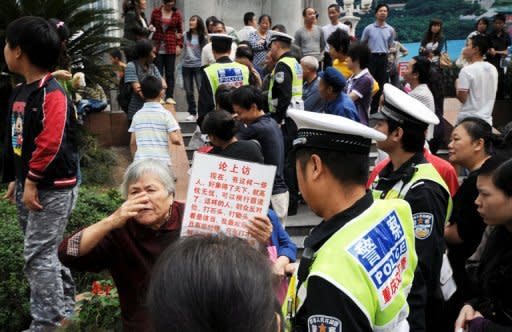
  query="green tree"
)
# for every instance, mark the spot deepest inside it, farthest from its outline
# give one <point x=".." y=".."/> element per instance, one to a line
<point x="412" y="22"/>
<point x="89" y="48"/>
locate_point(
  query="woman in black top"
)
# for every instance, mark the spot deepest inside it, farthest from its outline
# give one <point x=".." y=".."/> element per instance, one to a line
<point x="136" y="26"/>
<point x="471" y="144"/>
<point x="491" y="308"/>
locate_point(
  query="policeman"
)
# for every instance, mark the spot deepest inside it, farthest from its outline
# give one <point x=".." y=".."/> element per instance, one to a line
<point x="223" y="72"/>
<point x="359" y="263"/>
<point x="409" y="176"/>
<point x="285" y="89"/>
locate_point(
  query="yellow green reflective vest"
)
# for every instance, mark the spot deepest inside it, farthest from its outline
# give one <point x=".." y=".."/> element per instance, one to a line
<point x="230" y="74"/>
<point x="296" y="70"/>
<point x="423" y="172"/>
<point x="372" y="260"/>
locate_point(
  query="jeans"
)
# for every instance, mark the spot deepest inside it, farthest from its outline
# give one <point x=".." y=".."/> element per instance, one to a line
<point x="52" y="290"/>
<point x="191" y="74"/>
<point x="166" y="63"/>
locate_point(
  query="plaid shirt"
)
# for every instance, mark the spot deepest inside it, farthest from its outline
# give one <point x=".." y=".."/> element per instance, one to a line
<point x="169" y="37"/>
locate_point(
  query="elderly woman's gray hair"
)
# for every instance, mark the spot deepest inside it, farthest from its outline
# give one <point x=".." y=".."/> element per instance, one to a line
<point x="148" y="166"/>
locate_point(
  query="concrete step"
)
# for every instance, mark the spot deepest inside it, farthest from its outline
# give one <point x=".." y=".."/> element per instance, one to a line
<point x="188" y="127"/>
<point x="187" y="137"/>
<point x="190" y="153"/>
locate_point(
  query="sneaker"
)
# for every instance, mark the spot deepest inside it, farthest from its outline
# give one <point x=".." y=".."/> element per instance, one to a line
<point x="190" y="118"/>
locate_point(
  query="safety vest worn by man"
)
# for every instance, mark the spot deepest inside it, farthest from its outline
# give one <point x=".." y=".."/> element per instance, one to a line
<point x="423" y="172"/>
<point x="230" y="74"/>
<point x="372" y="260"/>
<point x="296" y="70"/>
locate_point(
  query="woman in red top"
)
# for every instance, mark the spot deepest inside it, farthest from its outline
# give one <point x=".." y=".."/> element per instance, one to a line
<point x="168" y="38"/>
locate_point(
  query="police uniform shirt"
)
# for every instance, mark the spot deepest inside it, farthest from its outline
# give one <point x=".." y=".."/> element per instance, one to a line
<point x="282" y="89"/>
<point x="323" y="298"/>
<point x="428" y="201"/>
<point x="206" y="102"/>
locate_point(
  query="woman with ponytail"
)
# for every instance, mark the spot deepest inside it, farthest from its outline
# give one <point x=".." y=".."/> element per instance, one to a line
<point x="472" y="143"/>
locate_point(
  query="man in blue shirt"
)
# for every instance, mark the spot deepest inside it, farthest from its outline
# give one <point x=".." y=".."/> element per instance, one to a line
<point x="337" y="102"/>
<point x="310" y="93"/>
<point x="379" y="37"/>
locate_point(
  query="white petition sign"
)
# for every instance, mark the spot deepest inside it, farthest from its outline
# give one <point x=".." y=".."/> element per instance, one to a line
<point x="224" y="193"/>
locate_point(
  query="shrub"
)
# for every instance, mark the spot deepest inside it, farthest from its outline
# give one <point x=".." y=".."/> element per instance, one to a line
<point x="14" y="289"/>
<point x="96" y="162"/>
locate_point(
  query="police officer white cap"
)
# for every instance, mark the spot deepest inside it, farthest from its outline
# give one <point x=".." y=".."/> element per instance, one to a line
<point x="404" y="109"/>
<point x="332" y="132"/>
<point x="220" y="39"/>
<point x="276" y="35"/>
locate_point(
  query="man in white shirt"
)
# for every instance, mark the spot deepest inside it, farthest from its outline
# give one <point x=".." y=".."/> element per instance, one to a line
<point x="478" y="82"/>
<point x="334" y="16"/>
<point x="249" y="26"/>
<point x="207" y="57"/>
<point x="418" y="77"/>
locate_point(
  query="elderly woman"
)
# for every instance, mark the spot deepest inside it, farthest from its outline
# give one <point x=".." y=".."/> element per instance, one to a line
<point x="128" y="242"/>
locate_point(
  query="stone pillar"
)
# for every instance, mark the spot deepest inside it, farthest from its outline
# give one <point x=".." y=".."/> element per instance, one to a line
<point x="231" y="12"/>
<point x="203" y="8"/>
<point x="288" y="13"/>
<point x="321" y="7"/>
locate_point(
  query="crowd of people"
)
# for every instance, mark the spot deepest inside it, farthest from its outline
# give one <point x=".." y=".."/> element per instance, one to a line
<point x="405" y="247"/>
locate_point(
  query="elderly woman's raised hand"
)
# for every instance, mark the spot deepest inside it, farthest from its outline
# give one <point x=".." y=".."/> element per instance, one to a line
<point x="129" y="209"/>
<point x="260" y="228"/>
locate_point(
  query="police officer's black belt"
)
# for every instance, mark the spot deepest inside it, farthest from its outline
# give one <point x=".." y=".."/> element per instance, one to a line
<point x="319" y="139"/>
<point x="399" y="116"/>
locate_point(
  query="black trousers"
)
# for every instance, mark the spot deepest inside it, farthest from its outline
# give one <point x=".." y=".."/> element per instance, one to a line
<point x="166" y="64"/>
<point x="378" y="67"/>
<point x="289" y="130"/>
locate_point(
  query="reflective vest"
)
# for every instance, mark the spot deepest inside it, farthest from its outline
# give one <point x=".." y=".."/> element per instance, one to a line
<point x="230" y="74"/>
<point x="400" y="189"/>
<point x="372" y="260"/>
<point x="296" y="70"/>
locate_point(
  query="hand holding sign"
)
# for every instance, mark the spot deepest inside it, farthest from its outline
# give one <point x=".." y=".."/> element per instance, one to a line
<point x="260" y="228"/>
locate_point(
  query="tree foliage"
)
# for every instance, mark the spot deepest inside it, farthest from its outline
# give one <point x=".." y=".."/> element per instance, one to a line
<point x="87" y="50"/>
<point x="412" y="22"/>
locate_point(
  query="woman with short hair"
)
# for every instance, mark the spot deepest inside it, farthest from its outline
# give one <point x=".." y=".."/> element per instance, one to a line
<point x="128" y="242"/>
<point x="259" y="41"/>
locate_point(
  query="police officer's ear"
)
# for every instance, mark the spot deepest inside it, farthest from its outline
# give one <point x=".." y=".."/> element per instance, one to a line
<point x="317" y="166"/>
<point x="397" y="134"/>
